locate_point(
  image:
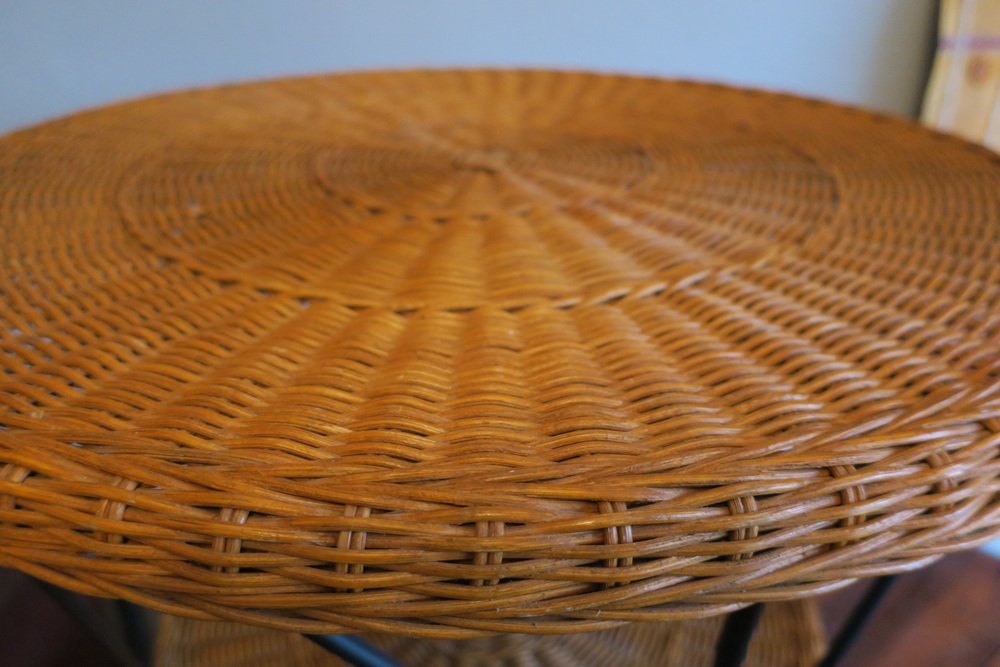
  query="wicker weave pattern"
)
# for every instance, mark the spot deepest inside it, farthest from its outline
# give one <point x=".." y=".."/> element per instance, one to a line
<point x="790" y="635"/>
<point x="453" y="353"/>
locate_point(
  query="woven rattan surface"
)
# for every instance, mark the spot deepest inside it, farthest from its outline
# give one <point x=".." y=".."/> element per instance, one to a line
<point x="450" y="353"/>
<point x="790" y="635"/>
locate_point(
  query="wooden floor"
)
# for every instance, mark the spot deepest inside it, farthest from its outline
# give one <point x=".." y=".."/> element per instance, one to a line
<point x="947" y="615"/>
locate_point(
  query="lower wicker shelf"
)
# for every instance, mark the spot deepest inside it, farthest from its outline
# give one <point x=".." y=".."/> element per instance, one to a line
<point x="790" y="635"/>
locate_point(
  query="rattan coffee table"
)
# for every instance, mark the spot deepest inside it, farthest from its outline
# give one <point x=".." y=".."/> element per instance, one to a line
<point x="445" y="354"/>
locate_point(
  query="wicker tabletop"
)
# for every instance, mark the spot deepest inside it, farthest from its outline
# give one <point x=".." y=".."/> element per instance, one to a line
<point x="463" y="352"/>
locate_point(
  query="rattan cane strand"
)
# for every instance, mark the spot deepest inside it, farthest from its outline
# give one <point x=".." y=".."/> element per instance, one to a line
<point x="464" y="352"/>
<point x="790" y="635"/>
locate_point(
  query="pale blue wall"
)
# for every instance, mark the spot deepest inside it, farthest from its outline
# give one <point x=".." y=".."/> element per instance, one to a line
<point x="60" y="55"/>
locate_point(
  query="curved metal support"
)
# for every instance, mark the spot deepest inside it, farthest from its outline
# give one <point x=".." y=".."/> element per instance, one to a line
<point x="354" y="650"/>
<point x="736" y="634"/>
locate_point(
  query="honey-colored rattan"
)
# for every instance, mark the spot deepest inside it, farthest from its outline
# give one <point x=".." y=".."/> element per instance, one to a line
<point x="790" y="635"/>
<point x="465" y="352"/>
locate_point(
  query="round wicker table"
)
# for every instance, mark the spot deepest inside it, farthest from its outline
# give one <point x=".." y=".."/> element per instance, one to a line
<point x="454" y="353"/>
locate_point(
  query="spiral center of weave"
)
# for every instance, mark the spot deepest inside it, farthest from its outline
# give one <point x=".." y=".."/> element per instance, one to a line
<point x="488" y="161"/>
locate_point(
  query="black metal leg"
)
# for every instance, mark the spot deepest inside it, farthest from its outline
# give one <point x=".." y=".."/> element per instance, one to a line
<point x="140" y="629"/>
<point x="736" y="635"/>
<point x="856" y="621"/>
<point x="356" y="651"/>
<point x="100" y="619"/>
